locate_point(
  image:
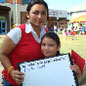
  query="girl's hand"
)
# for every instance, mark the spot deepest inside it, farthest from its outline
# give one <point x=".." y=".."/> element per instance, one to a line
<point x="17" y="76"/>
<point x="76" y="69"/>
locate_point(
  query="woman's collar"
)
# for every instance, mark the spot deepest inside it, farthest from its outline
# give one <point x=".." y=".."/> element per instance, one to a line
<point x="29" y="28"/>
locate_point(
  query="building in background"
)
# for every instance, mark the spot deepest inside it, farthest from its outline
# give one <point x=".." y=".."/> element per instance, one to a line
<point x="58" y="17"/>
<point x="11" y="12"/>
<point x="4" y="19"/>
<point x="14" y="12"/>
<point x="77" y="15"/>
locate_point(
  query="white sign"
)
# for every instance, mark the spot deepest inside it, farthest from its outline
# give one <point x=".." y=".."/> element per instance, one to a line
<point x="53" y="71"/>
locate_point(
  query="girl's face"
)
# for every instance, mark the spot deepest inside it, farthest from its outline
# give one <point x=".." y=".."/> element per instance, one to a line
<point x="38" y="15"/>
<point x="49" y="47"/>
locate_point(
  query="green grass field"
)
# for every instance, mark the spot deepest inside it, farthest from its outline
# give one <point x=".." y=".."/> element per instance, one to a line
<point x="78" y="44"/>
<point x="67" y="44"/>
<point x="1" y="40"/>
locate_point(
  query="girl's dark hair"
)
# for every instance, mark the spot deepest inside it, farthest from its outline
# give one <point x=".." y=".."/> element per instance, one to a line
<point x="53" y="36"/>
<point x="33" y="2"/>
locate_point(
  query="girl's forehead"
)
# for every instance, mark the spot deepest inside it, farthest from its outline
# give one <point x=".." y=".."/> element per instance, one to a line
<point x="48" y="39"/>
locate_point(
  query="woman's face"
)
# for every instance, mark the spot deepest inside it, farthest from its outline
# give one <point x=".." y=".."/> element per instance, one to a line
<point x="49" y="47"/>
<point x="38" y="15"/>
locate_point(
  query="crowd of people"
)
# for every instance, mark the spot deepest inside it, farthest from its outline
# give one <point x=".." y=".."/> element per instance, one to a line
<point x="69" y="30"/>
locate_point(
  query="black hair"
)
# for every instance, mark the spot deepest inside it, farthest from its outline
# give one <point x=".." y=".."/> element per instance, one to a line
<point x="53" y="36"/>
<point x="33" y="2"/>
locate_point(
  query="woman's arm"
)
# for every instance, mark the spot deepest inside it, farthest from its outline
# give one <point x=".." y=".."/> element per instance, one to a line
<point x="7" y="46"/>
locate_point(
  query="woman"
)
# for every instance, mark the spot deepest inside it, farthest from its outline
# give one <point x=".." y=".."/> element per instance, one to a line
<point x="23" y="43"/>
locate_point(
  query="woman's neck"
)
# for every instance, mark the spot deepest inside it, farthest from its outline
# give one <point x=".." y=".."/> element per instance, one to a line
<point x="37" y="30"/>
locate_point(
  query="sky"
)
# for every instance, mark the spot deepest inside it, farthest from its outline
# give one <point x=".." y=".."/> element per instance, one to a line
<point x="63" y="4"/>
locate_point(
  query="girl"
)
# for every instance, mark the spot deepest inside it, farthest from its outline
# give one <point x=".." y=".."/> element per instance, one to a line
<point x="50" y="46"/>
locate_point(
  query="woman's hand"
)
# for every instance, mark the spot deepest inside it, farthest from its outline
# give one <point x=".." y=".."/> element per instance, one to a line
<point x="17" y="76"/>
<point x="76" y="69"/>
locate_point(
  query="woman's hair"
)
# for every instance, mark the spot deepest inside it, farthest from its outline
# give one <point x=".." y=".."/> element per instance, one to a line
<point x="33" y="2"/>
<point x="53" y="36"/>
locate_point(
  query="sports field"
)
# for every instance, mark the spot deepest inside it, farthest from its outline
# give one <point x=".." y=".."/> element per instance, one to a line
<point x="78" y="44"/>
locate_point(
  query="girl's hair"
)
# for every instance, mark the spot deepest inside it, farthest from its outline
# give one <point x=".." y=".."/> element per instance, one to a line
<point x="33" y="2"/>
<point x="53" y="36"/>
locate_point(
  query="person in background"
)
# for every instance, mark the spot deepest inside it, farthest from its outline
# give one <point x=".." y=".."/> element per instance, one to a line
<point x="83" y="30"/>
<point x="55" y="28"/>
<point x="76" y="30"/>
<point x="69" y="29"/>
<point x="20" y="43"/>
<point x="14" y="25"/>
<point x="51" y="28"/>
<point x="66" y="33"/>
<point x="72" y="33"/>
<point x="50" y="46"/>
